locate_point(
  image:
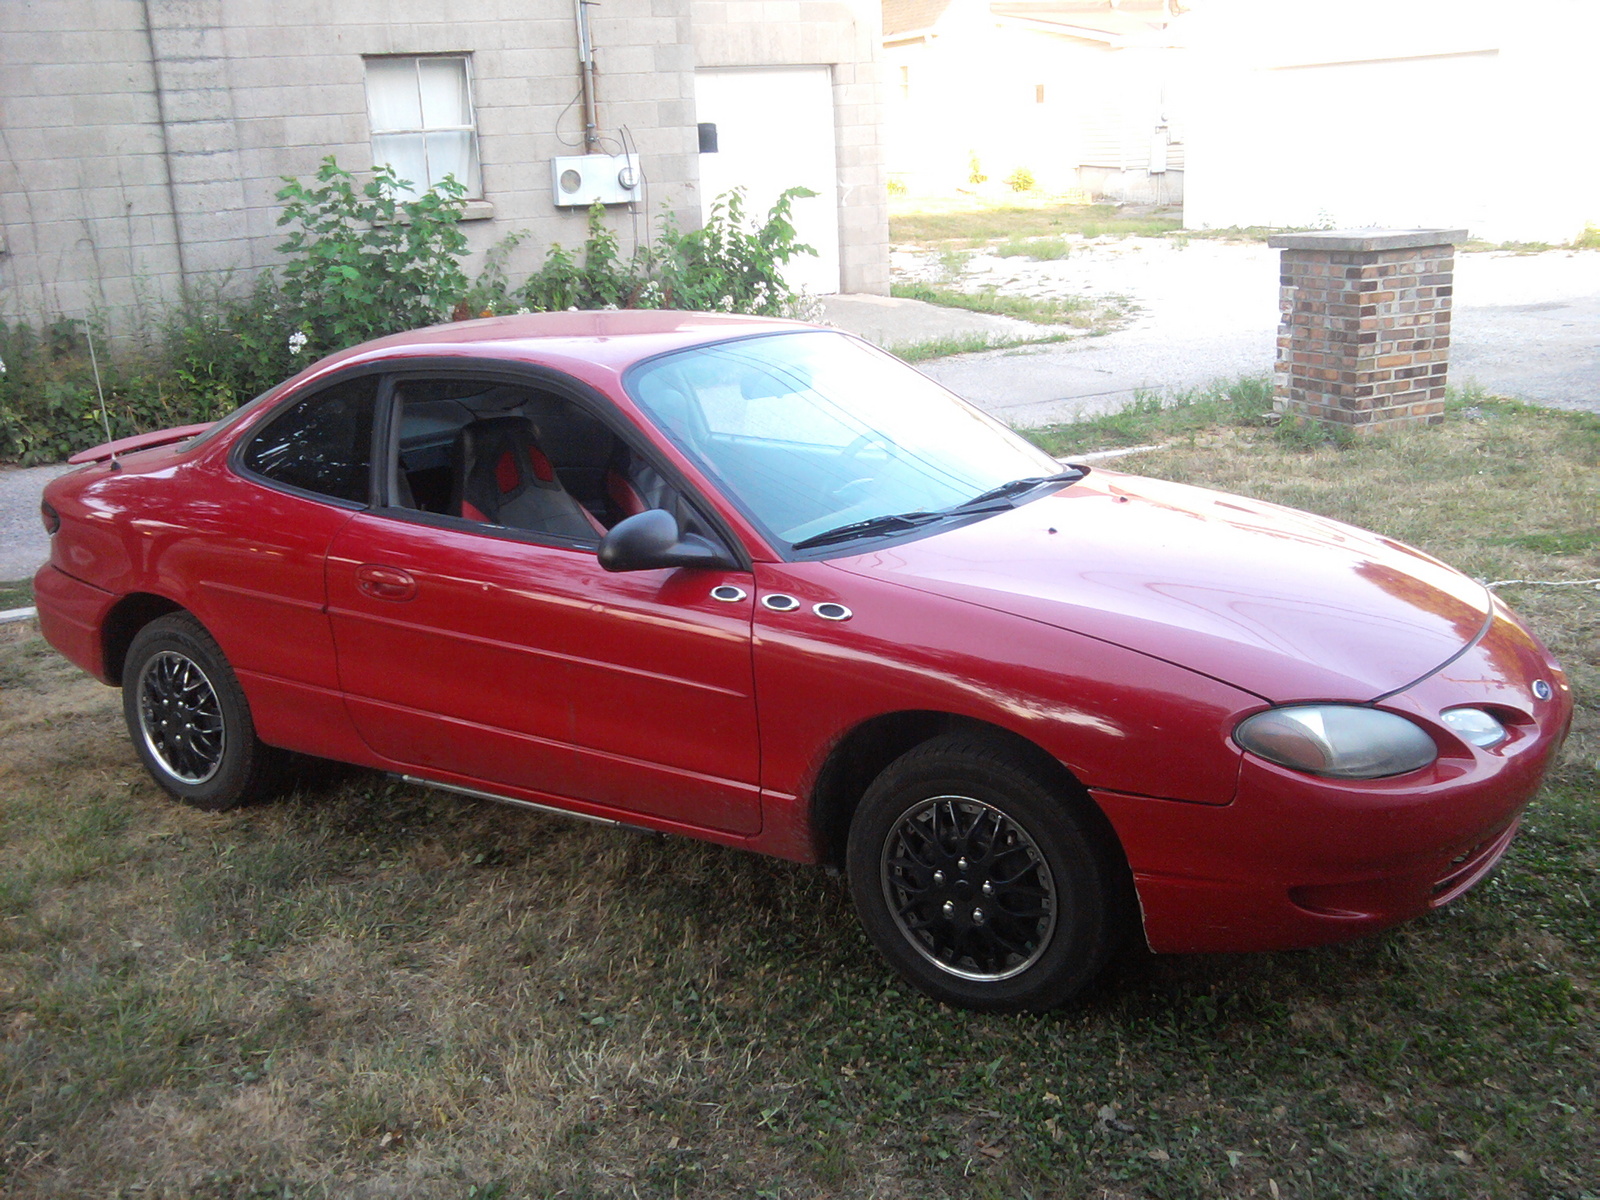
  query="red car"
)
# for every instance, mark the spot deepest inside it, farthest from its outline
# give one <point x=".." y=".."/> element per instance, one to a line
<point x="763" y="584"/>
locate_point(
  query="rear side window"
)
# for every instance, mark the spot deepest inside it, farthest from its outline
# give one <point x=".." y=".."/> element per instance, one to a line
<point x="321" y="444"/>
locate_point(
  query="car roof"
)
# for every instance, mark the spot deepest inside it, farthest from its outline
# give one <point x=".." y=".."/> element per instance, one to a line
<point x="609" y="339"/>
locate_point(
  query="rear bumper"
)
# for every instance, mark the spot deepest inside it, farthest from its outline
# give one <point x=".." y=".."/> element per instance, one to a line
<point x="71" y="617"/>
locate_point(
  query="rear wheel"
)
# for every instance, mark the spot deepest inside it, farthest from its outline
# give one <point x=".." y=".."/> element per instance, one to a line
<point x="188" y="717"/>
<point x="979" y="881"/>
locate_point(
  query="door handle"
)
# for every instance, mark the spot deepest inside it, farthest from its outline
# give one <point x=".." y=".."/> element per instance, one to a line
<point x="385" y="583"/>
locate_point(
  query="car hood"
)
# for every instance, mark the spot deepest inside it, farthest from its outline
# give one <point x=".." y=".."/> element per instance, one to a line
<point x="1277" y="602"/>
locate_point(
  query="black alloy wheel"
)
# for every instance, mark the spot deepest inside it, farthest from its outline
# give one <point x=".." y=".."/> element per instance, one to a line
<point x="983" y="883"/>
<point x="188" y="716"/>
<point x="180" y="717"/>
<point x="968" y="888"/>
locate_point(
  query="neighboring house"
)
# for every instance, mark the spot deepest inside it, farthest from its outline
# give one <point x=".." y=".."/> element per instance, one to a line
<point x="1399" y="113"/>
<point x="1071" y="92"/>
<point x="144" y="141"/>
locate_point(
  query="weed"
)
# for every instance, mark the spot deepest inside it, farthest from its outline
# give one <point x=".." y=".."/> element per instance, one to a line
<point x="1075" y="311"/>
<point x="1039" y="249"/>
<point x="971" y="343"/>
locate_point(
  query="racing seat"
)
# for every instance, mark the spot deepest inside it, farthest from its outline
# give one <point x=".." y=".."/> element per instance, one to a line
<point x="500" y="476"/>
<point x="633" y="486"/>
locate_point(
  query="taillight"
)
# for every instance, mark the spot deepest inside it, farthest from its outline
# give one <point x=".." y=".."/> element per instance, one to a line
<point x="51" y="518"/>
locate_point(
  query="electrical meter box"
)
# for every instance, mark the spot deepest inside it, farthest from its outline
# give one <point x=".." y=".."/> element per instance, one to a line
<point x="582" y="180"/>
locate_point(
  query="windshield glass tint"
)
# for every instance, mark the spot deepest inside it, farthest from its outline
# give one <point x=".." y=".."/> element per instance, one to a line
<point x="810" y="431"/>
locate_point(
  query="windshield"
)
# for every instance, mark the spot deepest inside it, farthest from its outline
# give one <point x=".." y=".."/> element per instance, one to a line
<point x="813" y="431"/>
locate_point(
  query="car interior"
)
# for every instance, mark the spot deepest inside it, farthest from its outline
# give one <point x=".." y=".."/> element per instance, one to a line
<point x="518" y="457"/>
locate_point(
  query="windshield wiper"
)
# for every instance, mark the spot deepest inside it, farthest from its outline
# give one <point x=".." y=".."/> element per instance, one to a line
<point x="1017" y="487"/>
<point x="994" y="500"/>
<point x="888" y="523"/>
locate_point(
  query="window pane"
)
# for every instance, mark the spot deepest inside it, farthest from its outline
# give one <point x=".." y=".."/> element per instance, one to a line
<point x="322" y="444"/>
<point x="451" y="154"/>
<point x="444" y="92"/>
<point x="392" y="93"/>
<point x="404" y="152"/>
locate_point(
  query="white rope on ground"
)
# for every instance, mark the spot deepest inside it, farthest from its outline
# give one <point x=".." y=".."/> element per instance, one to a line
<point x="1544" y="582"/>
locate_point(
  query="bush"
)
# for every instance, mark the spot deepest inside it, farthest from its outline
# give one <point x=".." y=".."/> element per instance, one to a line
<point x="363" y="262"/>
<point x="724" y="266"/>
<point x="1021" y="180"/>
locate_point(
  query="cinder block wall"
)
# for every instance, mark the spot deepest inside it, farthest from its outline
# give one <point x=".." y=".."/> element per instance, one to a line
<point x="1364" y="340"/>
<point x="139" y="153"/>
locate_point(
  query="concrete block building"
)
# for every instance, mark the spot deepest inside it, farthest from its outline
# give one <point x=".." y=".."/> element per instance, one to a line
<point x="143" y="142"/>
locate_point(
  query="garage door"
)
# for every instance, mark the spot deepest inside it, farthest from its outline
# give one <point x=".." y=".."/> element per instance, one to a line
<point x="774" y="129"/>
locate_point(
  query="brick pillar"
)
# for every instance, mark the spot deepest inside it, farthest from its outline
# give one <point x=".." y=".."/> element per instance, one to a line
<point x="1365" y="336"/>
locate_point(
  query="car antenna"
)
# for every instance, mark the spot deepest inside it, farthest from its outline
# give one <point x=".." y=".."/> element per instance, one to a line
<point x="105" y="417"/>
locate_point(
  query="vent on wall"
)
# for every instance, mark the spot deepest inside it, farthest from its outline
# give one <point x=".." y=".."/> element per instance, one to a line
<point x="580" y="181"/>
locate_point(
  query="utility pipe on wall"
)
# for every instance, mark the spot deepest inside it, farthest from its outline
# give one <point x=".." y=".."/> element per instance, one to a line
<point x="591" y="123"/>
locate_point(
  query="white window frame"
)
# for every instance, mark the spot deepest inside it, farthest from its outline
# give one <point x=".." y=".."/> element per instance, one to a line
<point x="474" y="185"/>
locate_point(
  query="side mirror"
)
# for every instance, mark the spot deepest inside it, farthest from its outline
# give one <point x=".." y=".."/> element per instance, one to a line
<point x="648" y="540"/>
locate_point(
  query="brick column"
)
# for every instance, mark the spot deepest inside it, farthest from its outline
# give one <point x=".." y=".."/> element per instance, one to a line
<point x="1365" y="335"/>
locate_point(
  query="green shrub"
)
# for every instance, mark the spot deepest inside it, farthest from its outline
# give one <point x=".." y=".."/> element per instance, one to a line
<point x="364" y="262"/>
<point x="724" y="266"/>
<point x="1021" y="180"/>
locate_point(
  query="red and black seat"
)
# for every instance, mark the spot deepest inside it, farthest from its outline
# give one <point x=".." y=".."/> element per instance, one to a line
<point x="500" y="476"/>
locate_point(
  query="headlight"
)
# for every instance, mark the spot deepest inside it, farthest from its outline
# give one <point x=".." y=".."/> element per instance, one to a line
<point x="1475" y="726"/>
<point x="1340" y="740"/>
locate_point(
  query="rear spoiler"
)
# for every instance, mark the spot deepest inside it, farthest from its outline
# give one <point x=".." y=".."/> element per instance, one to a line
<point x="139" y="441"/>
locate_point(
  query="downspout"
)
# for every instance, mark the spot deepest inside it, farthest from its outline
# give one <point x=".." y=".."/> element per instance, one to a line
<point x="166" y="149"/>
<point x="591" y="122"/>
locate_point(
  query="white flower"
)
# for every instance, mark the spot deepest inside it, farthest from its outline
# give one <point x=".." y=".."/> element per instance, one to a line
<point x="2" y="366"/>
<point x="297" y="341"/>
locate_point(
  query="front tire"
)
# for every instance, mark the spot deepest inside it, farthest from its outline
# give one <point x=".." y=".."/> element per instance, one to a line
<point x="980" y="882"/>
<point x="188" y="717"/>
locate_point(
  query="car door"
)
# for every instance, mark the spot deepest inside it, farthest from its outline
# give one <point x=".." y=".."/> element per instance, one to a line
<point x="488" y="655"/>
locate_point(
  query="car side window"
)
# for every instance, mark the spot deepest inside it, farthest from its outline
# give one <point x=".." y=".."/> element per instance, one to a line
<point x="320" y="444"/>
<point x="512" y="456"/>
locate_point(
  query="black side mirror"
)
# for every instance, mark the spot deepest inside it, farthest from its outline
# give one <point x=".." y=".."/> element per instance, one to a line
<point x="651" y="539"/>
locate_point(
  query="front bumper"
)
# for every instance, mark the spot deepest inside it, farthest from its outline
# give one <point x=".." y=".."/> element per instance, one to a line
<point x="1298" y="860"/>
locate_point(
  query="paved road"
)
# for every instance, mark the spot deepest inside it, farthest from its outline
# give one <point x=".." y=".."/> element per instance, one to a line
<point x="1525" y="325"/>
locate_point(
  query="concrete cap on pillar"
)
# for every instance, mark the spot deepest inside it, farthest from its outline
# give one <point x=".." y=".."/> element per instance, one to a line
<point x="1367" y="240"/>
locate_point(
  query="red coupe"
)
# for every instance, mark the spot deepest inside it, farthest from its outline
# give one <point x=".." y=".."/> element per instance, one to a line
<point x="760" y="583"/>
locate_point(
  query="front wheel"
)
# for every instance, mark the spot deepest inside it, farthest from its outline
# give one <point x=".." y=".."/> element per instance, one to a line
<point x="978" y="881"/>
<point x="188" y="716"/>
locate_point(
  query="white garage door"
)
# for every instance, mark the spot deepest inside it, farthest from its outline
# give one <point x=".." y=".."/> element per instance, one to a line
<point x="775" y="132"/>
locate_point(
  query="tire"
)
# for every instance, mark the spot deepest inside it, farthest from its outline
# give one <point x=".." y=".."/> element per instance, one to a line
<point x="982" y="884"/>
<point x="188" y="717"/>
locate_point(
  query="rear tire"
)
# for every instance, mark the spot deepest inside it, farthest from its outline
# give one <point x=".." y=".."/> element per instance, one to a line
<point x="188" y="716"/>
<point x="980" y="882"/>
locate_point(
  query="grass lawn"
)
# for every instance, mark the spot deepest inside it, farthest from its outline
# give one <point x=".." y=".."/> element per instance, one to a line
<point x="971" y="221"/>
<point x="369" y="990"/>
<point x="16" y="594"/>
